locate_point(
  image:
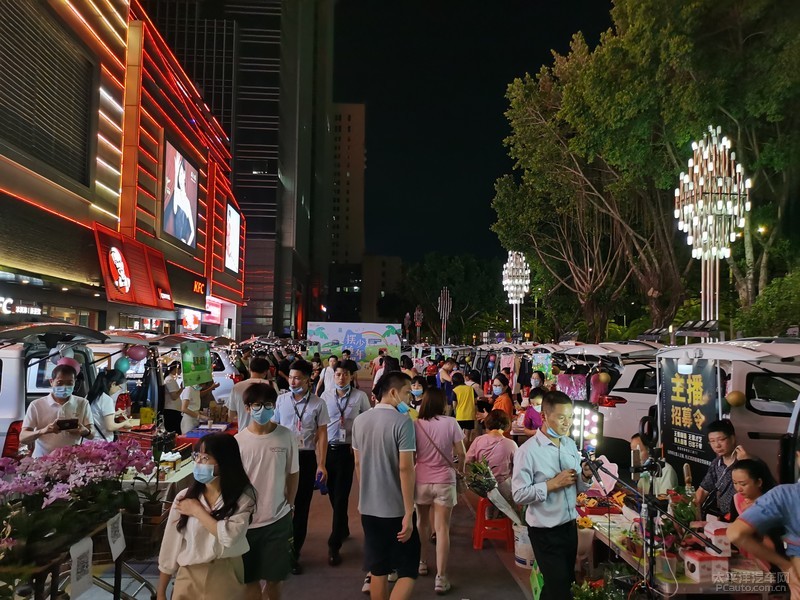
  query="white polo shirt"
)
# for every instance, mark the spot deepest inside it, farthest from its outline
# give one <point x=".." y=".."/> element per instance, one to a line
<point x="45" y="410"/>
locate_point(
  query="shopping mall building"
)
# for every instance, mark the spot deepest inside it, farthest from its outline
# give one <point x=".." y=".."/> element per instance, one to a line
<point x="116" y="207"/>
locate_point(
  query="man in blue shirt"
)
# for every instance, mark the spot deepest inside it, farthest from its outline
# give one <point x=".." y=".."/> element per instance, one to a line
<point x="547" y="477"/>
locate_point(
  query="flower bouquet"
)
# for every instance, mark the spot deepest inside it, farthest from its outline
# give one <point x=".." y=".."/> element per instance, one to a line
<point x="481" y="480"/>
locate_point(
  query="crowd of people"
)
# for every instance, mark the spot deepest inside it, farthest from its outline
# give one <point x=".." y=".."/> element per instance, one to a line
<point x="240" y="528"/>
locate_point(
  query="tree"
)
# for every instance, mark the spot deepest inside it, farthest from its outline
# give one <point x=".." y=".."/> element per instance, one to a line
<point x="775" y="310"/>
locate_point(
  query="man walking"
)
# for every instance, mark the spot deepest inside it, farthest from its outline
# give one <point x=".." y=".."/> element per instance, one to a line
<point x="547" y="476"/>
<point x="306" y="415"/>
<point x="344" y="404"/>
<point x="384" y="445"/>
<point x="269" y="455"/>
<point x="259" y="370"/>
<point x="351" y="366"/>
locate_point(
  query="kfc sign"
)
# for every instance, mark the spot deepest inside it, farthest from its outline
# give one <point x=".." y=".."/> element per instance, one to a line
<point x="7" y="307"/>
<point x="118" y="269"/>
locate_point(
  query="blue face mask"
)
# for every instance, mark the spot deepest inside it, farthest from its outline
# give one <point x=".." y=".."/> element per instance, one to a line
<point x="203" y="473"/>
<point x="417" y="393"/>
<point x="554" y="434"/>
<point x="402" y="408"/>
<point x="343" y="388"/>
<point x="497" y="390"/>
<point x="296" y="390"/>
<point x="63" y="391"/>
<point x="262" y="416"/>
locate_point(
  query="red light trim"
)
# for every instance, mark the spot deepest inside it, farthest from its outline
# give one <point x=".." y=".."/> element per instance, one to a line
<point x="141" y="208"/>
<point x="44" y="208"/>
<point x="180" y="266"/>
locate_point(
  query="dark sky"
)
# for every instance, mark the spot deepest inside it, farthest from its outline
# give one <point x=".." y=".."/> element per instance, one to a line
<point x="433" y="74"/>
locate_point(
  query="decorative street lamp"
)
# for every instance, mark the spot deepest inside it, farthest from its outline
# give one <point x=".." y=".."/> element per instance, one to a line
<point x="516" y="280"/>
<point x="711" y="202"/>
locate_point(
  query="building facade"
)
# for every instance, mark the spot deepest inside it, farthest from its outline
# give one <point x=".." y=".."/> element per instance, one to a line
<point x="116" y="207"/>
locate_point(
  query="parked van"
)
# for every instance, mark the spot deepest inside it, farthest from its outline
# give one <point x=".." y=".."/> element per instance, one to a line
<point x="28" y="354"/>
<point x="753" y="382"/>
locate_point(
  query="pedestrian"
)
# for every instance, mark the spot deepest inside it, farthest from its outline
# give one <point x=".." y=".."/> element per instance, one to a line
<point x="327" y="375"/>
<point x="376" y="364"/>
<point x="438" y="438"/>
<point x="259" y="373"/>
<point x="715" y="493"/>
<point x="546" y="478"/>
<point x="444" y="381"/>
<point x="378" y="372"/>
<point x="466" y="407"/>
<point x="351" y="366"/>
<point x="173" y="388"/>
<point x="533" y="413"/>
<point x="384" y="445"/>
<point x="407" y="366"/>
<point x="502" y="396"/>
<point x="306" y="415"/>
<point x="497" y="450"/>
<point x="431" y="370"/>
<point x="59" y="419"/>
<point x="418" y="387"/>
<point x="104" y="411"/>
<point x="344" y="404"/>
<point x="270" y="457"/>
<point x="206" y="531"/>
<point x="284" y="366"/>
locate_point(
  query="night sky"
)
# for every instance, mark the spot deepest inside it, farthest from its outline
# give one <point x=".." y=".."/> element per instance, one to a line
<point x="433" y="74"/>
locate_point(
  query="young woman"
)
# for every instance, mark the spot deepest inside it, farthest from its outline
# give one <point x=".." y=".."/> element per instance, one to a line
<point x="533" y="414"/>
<point x="497" y="449"/>
<point x="418" y="387"/>
<point x="407" y="366"/>
<point x="466" y="408"/>
<point x="205" y="535"/>
<point x="502" y="396"/>
<point x="438" y="438"/>
<point x="107" y="384"/>
<point x="173" y="388"/>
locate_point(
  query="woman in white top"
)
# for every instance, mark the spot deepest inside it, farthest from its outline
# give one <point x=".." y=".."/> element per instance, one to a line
<point x="101" y="397"/>
<point x="172" y="397"/>
<point x="206" y="533"/>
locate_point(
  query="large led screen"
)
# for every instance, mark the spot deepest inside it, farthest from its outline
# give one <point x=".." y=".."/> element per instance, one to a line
<point x="232" y="239"/>
<point x="180" y="198"/>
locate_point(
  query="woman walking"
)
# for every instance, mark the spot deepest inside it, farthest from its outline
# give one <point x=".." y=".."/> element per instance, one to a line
<point x="438" y="438"/>
<point x="205" y="535"/>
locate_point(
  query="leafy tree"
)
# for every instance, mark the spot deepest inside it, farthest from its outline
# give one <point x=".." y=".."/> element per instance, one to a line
<point x="775" y="310"/>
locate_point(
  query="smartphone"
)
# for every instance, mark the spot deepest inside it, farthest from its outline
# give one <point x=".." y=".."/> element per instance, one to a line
<point x="65" y="424"/>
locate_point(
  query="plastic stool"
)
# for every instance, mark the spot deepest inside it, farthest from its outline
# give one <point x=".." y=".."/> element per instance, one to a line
<point x="491" y="529"/>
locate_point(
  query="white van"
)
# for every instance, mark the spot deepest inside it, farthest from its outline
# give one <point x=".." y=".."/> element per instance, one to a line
<point x="28" y="353"/>
<point x="700" y="377"/>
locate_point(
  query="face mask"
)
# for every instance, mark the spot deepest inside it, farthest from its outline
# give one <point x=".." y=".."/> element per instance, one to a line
<point x="263" y="415"/>
<point x="537" y="408"/>
<point x="198" y="387"/>
<point x="343" y="388"/>
<point x="497" y="390"/>
<point x="417" y="393"/>
<point x="63" y="391"/>
<point x="296" y="390"/>
<point x="536" y="383"/>
<point x="402" y="408"/>
<point x="554" y="434"/>
<point x="203" y="473"/>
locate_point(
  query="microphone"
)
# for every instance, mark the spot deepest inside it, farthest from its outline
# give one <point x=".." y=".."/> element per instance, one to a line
<point x="636" y="462"/>
<point x="593" y="467"/>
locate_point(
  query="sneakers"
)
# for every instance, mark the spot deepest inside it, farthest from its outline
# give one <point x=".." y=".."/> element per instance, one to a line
<point x="392" y="577"/>
<point x="423" y="568"/>
<point x="441" y="585"/>
<point x="365" y="586"/>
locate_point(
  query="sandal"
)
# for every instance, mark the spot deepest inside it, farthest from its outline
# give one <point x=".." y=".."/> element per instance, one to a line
<point x="423" y="568"/>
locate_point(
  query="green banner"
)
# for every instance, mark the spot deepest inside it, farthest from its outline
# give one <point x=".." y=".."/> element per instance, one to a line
<point x="196" y="363"/>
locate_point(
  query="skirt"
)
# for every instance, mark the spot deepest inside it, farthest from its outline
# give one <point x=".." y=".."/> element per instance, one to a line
<point x="221" y="578"/>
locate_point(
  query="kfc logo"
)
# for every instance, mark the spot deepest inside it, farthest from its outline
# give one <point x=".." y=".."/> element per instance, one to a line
<point x="118" y="269"/>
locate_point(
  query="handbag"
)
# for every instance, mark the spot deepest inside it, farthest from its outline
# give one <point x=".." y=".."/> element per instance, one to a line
<point x="461" y="485"/>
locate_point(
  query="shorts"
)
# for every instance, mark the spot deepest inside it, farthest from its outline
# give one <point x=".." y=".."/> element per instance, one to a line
<point x="270" y="554"/>
<point x="383" y="553"/>
<point x="220" y="578"/>
<point x="469" y="425"/>
<point x="443" y="494"/>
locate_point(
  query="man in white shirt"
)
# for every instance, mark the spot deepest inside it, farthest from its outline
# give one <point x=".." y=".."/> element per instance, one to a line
<point x="647" y="483"/>
<point x="270" y="458"/>
<point x="41" y="424"/>
<point x="259" y="369"/>
<point x="344" y="404"/>
<point x="327" y="376"/>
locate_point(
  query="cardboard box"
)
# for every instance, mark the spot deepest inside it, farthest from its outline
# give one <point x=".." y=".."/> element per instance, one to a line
<point x="717" y="533"/>
<point x="701" y="566"/>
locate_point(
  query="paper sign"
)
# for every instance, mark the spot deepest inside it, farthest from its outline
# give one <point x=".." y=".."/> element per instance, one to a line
<point x="364" y="340"/>
<point x="196" y="363"/>
<point x="116" y="538"/>
<point x="81" y="571"/>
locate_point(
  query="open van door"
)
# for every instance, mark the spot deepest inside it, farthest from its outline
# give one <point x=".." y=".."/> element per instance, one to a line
<point x="789" y="446"/>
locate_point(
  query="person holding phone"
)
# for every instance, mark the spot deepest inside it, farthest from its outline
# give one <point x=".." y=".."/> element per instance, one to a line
<point x="722" y="439"/>
<point x="59" y="419"/>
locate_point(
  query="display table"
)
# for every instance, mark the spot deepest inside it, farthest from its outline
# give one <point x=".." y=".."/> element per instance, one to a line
<point x="191" y="437"/>
<point x="610" y="528"/>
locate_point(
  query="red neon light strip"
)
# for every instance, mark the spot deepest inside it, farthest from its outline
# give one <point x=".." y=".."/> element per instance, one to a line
<point x="44" y="208"/>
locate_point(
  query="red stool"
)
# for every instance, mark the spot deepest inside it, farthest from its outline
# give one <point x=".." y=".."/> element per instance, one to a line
<point x="491" y="529"/>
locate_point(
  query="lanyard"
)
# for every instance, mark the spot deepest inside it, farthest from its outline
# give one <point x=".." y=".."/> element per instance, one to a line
<point x="300" y="415"/>
<point x="342" y="409"/>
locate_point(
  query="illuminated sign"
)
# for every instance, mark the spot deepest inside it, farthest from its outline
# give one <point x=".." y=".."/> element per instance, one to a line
<point x="190" y="319"/>
<point x="118" y="269"/>
<point x="199" y="287"/>
<point x="7" y="307"/>
<point x="214" y="310"/>
<point x="232" y="239"/>
<point x="164" y="295"/>
<point x="179" y="219"/>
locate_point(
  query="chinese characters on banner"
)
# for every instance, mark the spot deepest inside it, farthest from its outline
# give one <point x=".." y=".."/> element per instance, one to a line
<point x="688" y="405"/>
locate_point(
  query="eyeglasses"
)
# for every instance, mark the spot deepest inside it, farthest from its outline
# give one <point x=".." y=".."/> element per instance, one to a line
<point x="268" y="405"/>
<point x="201" y="458"/>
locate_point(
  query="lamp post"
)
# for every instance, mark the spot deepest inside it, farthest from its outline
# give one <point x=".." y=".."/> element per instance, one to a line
<point x="516" y="280"/>
<point x="711" y="202"/>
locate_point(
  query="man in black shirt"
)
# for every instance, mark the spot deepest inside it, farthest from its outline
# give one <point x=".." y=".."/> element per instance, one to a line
<point x="350" y="365"/>
<point x="283" y="370"/>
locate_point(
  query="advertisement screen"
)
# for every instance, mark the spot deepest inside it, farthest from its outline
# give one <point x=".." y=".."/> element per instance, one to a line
<point x="232" y="240"/>
<point x="180" y="198"/>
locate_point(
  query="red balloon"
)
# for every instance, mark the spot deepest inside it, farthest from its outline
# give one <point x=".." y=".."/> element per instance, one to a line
<point x="136" y="352"/>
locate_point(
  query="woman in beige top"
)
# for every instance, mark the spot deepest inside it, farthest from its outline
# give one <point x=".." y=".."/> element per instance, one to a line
<point x="205" y="535"/>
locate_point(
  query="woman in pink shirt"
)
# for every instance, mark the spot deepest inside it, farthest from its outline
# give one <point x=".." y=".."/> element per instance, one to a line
<point x="438" y="438"/>
<point x="497" y="449"/>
